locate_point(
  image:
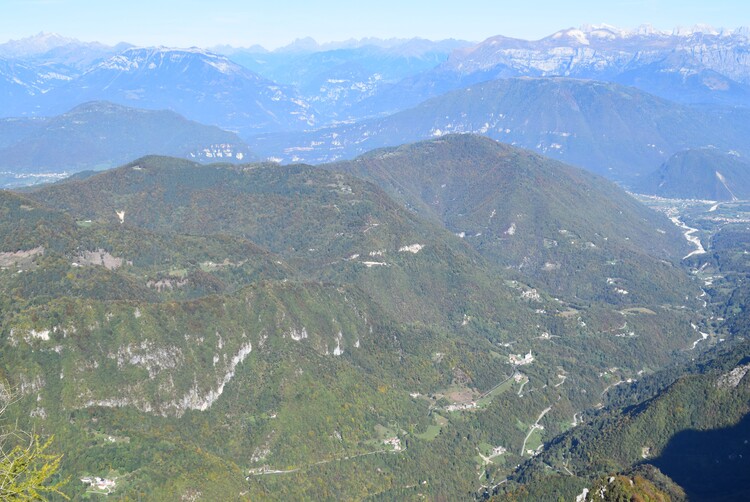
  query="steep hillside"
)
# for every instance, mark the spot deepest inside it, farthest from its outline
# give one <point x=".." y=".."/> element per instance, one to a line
<point x="552" y="225"/>
<point x="329" y="226"/>
<point x="691" y="423"/>
<point x="369" y="347"/>
<point x="103" y="135"/>
<point x="19" y="86"/>
<point x="706" y="173"/>
<point x="619" y="132"/>
<point x="576" y="233"/>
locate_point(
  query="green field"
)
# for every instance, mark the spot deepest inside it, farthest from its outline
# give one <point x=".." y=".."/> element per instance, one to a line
<point x="504" y="387"/>
<point x="431" y="433"/>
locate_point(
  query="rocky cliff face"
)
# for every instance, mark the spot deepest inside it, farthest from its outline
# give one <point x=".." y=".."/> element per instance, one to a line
<point x="603" y="50"/>
<point x="156" y="360"/>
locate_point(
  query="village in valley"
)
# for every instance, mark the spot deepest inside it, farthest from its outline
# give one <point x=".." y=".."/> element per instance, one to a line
<point x="99" y="485"/>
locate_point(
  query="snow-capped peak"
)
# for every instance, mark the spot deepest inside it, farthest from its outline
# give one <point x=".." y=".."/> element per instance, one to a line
<point x="607" y="31"/>
<point x="574" y="34"/>
<point x="702" y="29"/>
<point x="37" y="44"/>
<point x="604" y="31"/>
<point x="165" y="49"/>
<point x="647" y="30"/>
<point x="588" y="32"/>
<point x="151" y="58"/>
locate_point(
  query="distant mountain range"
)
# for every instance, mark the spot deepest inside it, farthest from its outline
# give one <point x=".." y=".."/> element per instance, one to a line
<point x="48" y="74"/>
<point x="706" y="173"/>
<point x="202" y="86"/>
<point x="336" y="77"/>
<point x="619" y="132"/>
<point x="570" y="96"/>
<point x="307" y="85"/>
<point x="99" y="135"/>
<point x="690" y="66"/>
<point x="49" y="48"/>
<point x="31" y="67"/>
<point x="597" y="51"/>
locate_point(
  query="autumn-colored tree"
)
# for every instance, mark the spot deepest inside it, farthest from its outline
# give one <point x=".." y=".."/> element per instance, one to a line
<point x="26" y="469"/>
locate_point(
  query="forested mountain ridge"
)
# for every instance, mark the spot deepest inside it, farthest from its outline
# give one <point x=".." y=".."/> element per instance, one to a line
<point x="689" y="422"/>
<point x="453" y="319"/>
<point x="572" y="231"/>
<point x="297" y="319"/>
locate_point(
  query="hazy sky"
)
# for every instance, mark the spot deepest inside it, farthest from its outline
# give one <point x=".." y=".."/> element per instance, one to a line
<point x="273" y="23"/>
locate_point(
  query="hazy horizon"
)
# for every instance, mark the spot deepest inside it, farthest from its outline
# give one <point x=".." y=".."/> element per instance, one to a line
<point x="242" y="24"/>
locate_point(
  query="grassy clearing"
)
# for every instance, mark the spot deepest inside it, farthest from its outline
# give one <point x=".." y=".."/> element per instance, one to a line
<point x="638" y="310"/>
<point x="440" y="420"/>
<point x="570" y="312"/>
<point x="458" y="394"/>
<point x="384" y="432"/>
<point x="535" y="440"/>
<point x="178" y="272"/>
<point x="504" y="387"/>
<point x="431" y="433"/>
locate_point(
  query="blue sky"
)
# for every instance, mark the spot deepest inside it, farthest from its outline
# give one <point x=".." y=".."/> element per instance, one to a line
<point x="273" y="23"/>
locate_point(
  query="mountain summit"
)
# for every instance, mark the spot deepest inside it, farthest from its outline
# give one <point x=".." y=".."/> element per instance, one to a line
<point x="100" y="134"/>
<point x="198" y="84"/>
<point x="705" y="173"/>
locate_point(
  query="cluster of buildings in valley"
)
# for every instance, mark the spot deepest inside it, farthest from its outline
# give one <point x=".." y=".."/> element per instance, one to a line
<point x="103" y="484"/>
<point x="394" y="442"/>
<point x="519" y="360"/>
<point x="461" y="406"/>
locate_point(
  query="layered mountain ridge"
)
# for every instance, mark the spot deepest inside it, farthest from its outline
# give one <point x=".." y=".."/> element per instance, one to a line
<point x="200" y="85"/>
<point x="619" y="132"/>
<point x="360" y="79"/>
<point x="700" y="174"/>
<point x="99" y="135"/>
<point x="699" y="65"/>
<point x="298" y="319"/>
<point x="455" y="318"/>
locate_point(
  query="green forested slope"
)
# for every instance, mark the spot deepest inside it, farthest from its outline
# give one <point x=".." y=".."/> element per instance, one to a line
<point x="690" y="422"/>
<point x="182" y="327"/>
<point x="572" y="231"/>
